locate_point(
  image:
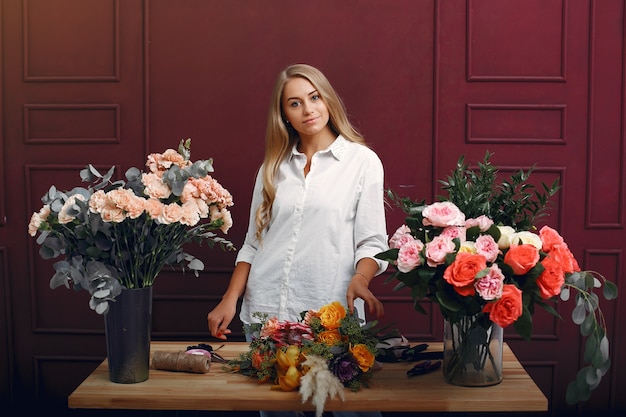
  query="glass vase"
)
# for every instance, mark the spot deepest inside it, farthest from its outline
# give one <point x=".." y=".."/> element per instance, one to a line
<point x="472" y="351"/>
<point x="128" y="325"/>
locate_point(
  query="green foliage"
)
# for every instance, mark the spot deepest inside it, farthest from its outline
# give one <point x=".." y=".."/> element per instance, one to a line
<point x="513" y="202"/>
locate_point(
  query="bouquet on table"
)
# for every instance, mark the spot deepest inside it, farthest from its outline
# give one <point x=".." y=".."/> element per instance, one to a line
<point x="478" y="256"/>
<point x="326" y="350"/>
<point x="117" y="234"/>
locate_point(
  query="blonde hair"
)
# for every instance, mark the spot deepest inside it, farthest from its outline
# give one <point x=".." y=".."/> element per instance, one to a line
<point x="281" y="137"/>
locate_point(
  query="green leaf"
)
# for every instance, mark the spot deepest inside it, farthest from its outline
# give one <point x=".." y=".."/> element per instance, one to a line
<point x="578" y="314"/>
<point x="610" y="290"/>
<point x="588" y="325"/>
<point x="524" y="324"/>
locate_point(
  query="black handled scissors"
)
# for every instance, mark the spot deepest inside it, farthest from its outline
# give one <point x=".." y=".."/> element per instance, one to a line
<point x="215" y="357"/>
<point x="423" y="367"/>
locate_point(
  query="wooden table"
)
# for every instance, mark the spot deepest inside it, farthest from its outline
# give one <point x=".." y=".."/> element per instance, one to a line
<point x="390" y="390"/>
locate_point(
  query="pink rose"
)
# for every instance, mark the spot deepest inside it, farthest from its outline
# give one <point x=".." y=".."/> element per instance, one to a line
<point x="490" y="286"/>
<point x="443" y="214"/>
<point x="483" y="222"/>
<point x="487" y="246"/>
<point x="454" y="232"/>
<point x="400" y="237"/>
<point x="437" y="249"/>
<point x="409" y="255"/>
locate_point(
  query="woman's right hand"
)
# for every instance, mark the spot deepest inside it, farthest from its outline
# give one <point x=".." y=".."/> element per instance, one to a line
<point x="220" y="317"/>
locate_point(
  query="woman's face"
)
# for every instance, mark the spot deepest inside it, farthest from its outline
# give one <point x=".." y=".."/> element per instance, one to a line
<point x="304" y="108"/>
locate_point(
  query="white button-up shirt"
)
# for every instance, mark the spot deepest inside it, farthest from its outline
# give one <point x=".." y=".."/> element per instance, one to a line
<point x="321" y="226"/>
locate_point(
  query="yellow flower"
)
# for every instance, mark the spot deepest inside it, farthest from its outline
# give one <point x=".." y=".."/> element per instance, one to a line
<point x="332" y="314"/>
<point x="363" y="356"/>
<point x="290" y="381"/>
<point x="287" y="367"/>
<point x="468" y="247"/>
<point x="289" y="358"/>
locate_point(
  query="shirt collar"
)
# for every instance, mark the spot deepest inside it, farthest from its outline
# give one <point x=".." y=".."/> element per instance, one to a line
<point x="337" y="148"/>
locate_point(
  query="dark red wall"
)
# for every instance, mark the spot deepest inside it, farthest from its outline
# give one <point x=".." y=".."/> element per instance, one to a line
<point x="108" y="81"/>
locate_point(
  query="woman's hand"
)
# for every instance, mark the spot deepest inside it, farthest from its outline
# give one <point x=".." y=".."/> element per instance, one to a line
<point x="220" y="317"/>
<point x="359" y="288"/>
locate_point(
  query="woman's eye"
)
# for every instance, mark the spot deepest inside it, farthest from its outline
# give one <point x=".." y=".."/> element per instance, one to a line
<point x="294" y="104"/>
<point x="315" y="97"/>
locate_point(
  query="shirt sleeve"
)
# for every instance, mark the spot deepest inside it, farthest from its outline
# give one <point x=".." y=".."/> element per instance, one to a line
<point x="370" y="231"/>
<point x="250" y="245"/>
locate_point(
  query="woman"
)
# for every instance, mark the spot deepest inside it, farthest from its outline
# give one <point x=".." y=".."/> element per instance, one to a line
<point x="317" y="217"/>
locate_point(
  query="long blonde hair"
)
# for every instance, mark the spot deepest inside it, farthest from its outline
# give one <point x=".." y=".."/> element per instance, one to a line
<point x="281" y="137"/>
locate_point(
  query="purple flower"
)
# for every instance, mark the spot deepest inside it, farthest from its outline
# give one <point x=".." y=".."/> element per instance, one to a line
<point x="344" y="368"/>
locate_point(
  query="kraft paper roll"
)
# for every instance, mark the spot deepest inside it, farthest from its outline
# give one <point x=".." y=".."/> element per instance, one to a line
<point x="181" y="362"/>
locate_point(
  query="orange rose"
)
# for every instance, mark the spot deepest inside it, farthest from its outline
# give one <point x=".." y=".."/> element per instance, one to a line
<point x="363" y="356"/>
<point x="461" y="274"/>
<point x="549" y="238"/>
<point x="551" y="279"/>
<point x="508" y="308"/>
<point x="329" y="337"/>
<point x="521" y="258"/>
<point x="564" y="257"/>
<point x="331" y="315"/>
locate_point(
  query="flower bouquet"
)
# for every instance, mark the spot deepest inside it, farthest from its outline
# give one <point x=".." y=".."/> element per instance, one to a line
<point x="116" y="234"/>
<point x="478" y="256"/>
<point x="326" y="350"/>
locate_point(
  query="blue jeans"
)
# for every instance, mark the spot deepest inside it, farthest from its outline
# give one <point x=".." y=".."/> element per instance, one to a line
<point x="301" y="414"/>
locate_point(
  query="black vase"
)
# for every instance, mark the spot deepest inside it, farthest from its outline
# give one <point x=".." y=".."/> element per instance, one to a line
<point x="128" y="325"/>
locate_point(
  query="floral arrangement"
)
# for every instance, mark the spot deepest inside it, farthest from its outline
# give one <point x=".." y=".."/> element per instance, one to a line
<point x="477" y="255"/>
<point x="116" y="234"/>
<point x="326" y="350"/>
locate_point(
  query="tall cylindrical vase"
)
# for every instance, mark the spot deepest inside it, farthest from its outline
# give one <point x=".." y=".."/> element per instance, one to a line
<point x="472" y="352"/>
<point x="127" y="327"/>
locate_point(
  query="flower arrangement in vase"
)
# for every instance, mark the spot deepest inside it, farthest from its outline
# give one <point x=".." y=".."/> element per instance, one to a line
<point x="120" y="234"/>
<point x="478" y="256"/>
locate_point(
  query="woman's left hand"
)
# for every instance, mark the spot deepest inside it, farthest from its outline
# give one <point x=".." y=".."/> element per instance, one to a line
<point x="359" y="288"/>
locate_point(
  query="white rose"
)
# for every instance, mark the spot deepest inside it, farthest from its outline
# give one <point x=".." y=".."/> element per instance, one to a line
<point x="505" y="236"/>
<point x="528" y="238"/>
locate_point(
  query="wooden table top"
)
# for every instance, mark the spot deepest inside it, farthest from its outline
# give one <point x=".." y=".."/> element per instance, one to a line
<point x="390" y="390"/>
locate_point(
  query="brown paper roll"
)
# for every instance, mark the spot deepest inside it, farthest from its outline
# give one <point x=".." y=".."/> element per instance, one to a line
<point x="181" y="362"/>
